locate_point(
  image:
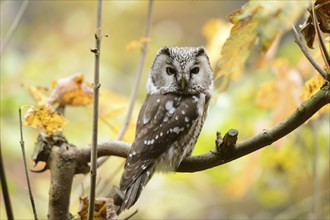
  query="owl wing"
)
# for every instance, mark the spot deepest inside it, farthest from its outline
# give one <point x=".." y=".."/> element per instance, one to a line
<point x="162" y="120"/>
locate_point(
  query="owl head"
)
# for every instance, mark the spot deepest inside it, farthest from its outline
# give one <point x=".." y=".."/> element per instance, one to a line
<point x="181" y="70"/>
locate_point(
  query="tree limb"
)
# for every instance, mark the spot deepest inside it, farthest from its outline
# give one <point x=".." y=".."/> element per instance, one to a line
<point x="303" y="48"/>
<point x="218" y="157"/>
<point x="13" y="26"/>
<point x="96" y="88"/>
<point x="138" y="74"/>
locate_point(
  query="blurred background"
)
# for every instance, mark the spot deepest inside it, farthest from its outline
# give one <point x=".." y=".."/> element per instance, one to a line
<point x="288" y="180"/>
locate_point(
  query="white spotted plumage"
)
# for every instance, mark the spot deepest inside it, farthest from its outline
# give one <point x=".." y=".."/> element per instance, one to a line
<point x="179" y="88"/>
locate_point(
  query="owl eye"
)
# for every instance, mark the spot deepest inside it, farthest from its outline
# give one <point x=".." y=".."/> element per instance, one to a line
<point x="170" y="71"/>
<point x="194" y="70"/>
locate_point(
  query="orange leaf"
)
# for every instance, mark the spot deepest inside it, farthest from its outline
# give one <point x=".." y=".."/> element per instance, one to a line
<point x="38" y="94"/>
<point x="281" y="95"/>
<point x="103" y="209"/>
<point x="137" y="43"/>
<point x="71" y="90"/>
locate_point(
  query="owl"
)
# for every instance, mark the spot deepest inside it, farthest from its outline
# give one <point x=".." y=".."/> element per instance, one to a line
<point x="179" y="89"/>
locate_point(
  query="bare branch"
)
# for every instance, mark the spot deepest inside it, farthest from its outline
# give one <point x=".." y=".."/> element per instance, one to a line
<point x="138" y="74"/>
<point x="137" y="81"/>
<point x="62" y="172"/>
<point x="303" y="48"/>
<point x="267" y="137"/>
<point x="25" y="166"/>
<point x="320" y="40"/>
<point x="218" y="157"/>
<point x="98" y="37"/>
<point x="4" y="187"/>
<point x="14" y="26"/>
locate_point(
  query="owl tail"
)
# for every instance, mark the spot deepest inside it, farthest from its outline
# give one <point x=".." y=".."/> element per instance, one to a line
<point x="133" y="192"/>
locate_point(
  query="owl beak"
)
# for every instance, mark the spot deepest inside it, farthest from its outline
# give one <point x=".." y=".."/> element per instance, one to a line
<point x="183" y="82"/>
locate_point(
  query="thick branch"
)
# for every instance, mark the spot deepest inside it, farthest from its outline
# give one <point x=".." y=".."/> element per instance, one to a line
<point x="267" y="137"/>
<point x="63" y="168"/>
<point x="213" y="159"/>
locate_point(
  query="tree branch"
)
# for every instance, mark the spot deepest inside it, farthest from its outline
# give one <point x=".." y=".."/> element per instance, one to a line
<point x="303" y="48"/>
<point x="4" y="188"/>
<point x="323" y="48"/>
<point x="14" y="25"/>
<point x="235" y="151"/>
<point x="96" y="51"/>
<point x="136" y="84"/>
<point x="25" y="164"/>
<point x="138" y="74"/>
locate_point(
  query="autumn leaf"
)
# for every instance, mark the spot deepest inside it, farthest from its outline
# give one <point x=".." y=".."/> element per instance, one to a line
<point x="45" y="118"/>
<point x="137" y="43"/>
<point x="38" y="94"/>
<point x="216" y="32"/>
<point x="104" y="209"/>
<point x="72" y="91"/>
<point x="311" y="87"/>
<point x="283" y="94"/>
<point x="322" y="12"/>
<point x="256" y="25"/>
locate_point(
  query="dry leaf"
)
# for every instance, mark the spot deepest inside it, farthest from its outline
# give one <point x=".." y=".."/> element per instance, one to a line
<point x="45" y="118"/>
<point x="38" y="94"/>
<point x="322" y="12"/>
<point x="216" y="32"/>
<point x="104" y="209"/>
<point x="137" y="43"/>
<point x="311" y="87"/>
<point x="256" y="26"/>
<point x="283" y="94"/>
<point x="71" y="90"/>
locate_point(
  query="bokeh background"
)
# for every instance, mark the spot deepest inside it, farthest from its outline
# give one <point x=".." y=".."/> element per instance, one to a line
<point x="288" y="180"/>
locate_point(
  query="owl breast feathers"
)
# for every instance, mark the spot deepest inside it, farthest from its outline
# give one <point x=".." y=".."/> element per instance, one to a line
<point x="179" y="89"/>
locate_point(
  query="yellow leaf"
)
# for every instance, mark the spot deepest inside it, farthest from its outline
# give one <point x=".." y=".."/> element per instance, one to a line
<point x="45" y="118"/>
<point x="281" y="95"/>
<point x="216" y="32"/>
<point x="256" y="26"/>
<point x="38" y="94"/>
<point x="71" y="90"/>
<point x="104" y="209"/>
<point x="311" y="87"/>
<point x="137" y="43"/>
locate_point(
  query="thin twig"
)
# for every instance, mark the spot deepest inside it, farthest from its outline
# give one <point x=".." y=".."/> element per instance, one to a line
<point x="14" y="25"/>
<point x="303" y="48"/>
<point x="137" y="81"/>
<point x="4" y="188"/>
<point x="138" y="74"/>
<point x="131" y="215"/>
<point x="315" y="173"/>
<point x="25" y="164"/>
<point x="320" y="40"/>
<point x="96" y="51"/>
